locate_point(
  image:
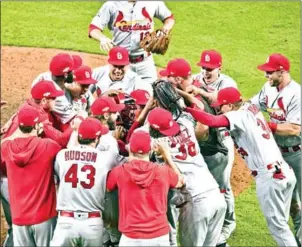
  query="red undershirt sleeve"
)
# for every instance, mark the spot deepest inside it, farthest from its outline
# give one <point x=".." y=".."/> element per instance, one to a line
<point x="209" y="119"/>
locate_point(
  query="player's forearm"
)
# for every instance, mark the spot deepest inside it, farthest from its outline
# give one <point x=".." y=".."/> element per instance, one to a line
<point x="168" y="25"/>
<point x="209" y="119"/>
<point x="285" y="129"/>
<point x="61" y="138"/>
<point x="168" y="159"/>
<point x="97" y="34"/>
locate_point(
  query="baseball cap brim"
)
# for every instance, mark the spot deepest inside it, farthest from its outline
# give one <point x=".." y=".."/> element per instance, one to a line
<point x="217" y="103"/>
<point x="57" y="93"/>
<point x="87" y="82"/>
<point x="164" y="72"/>
<point x="173" y="130"/>
<point x="117" y="107"/>
<point x="119" y="63"/>
<point x="208" y="65"/>
<point x="266" y="67"/>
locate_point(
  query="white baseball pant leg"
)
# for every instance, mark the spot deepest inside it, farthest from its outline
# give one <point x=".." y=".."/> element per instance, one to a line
<point x="9" y="241"/>
<point x="274" y="197"/>
<point x="145" y="69"/>
<point x="201" y="220"/>
<point x="35" y="235"/>
<point x="159" y="241"/>
<point x="293" y="159"/>
<point x="87" y="231"/>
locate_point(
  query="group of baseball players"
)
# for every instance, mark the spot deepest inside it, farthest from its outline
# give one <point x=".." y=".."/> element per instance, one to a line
<point x="97" y="157"/>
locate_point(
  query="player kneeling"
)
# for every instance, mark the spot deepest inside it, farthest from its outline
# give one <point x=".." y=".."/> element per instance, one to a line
<point x="82" y="172"/>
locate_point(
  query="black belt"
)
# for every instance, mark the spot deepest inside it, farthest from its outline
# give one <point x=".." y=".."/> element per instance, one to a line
<point x="290" y="149"/>
<point x="139" y="58"/>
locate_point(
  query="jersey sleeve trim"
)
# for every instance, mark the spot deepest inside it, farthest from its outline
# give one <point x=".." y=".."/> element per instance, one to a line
<point x="91" y="28"/>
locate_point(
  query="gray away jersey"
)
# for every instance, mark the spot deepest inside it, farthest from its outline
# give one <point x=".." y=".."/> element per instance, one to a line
<point x="82" y="172"/>
<point x="253" y="137"/>
<point x="283" y="106"/>
<point x="129" y="23"/>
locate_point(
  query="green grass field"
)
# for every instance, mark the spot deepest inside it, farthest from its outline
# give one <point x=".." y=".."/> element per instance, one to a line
<point x="244" y="32"/>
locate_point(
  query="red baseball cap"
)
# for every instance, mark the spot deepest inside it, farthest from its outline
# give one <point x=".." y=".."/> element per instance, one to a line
<point x="28" y="116"/>
<point x="162" y="120"/>
<point x="61" y="64"/>
<point x="177" y="67"/>
<point x="275" y="62"/>
<point x="141" y="96"/>
<point x="210" y="59"/>
<point x="45" y="89"/>
<point x="105" y="104"/>
<point x="83" y="75"/>
<point x="118" y="56"/>
<point x="228" y="95"/>
<point x="140" y="142"/>
<point x="91" y="128"/>
<point x="77" y="61"/>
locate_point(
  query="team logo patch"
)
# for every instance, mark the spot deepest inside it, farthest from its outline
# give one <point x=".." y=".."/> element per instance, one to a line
<point x="119" y="56"/>
<point x="46" y="94"/>
<point x="105" y="109"/>
<point x="66" y="69"/>
<point x="87" y="74"/>
<point x="207" y="58"/>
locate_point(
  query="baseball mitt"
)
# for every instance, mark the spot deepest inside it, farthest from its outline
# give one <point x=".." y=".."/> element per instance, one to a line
<point x="167" y="97"/>
<point x="156" y="42"/>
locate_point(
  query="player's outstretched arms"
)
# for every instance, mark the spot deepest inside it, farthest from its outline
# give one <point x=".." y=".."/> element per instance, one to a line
<point x="209" y="119"/>
<point x="285" y="129"/>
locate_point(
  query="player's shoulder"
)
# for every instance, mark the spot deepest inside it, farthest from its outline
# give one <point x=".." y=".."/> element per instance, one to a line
<point x="101" y="69"/>
<point x="185" y="118"/>
<point x="295" y="87"/>
<point x="229" y="80"/>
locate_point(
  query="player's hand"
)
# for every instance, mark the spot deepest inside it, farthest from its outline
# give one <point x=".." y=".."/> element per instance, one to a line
<point x="106" y="44"/>
<point x="150" y="104"/>
<point x="119" y="132"/>
<point x="191" y="89"/>
<point x="5" y="127"/>
<point x="113" y="92"/>
<point x="75" y="123"/>
<point x="161" y="147"/>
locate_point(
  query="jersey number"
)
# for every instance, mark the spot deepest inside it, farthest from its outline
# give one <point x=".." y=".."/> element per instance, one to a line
<point x="72" y="176"/>
<point x="185" y="149"/>
<point x="143" y="35"/>
<point x="265" y="128"/>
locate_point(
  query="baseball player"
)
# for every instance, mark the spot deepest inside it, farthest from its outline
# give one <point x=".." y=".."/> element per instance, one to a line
<point x="203" y="209"/>
<point x="275" y="180"/>
<point x="60" y="72"/>
<point x="142" y="219"/>
<point x="129" y="22"/>
<point x="82" y="173"/>
<point x="77" y="92"/>
<point x="31" y="185"/>
<point x="218" y="151"/>
<point x="116" y="76"/>
<point x="280" y="97"/>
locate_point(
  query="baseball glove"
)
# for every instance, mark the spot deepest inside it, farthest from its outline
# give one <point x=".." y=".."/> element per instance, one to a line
<point x="167" y="97"/>
<point x="156" y="42"/>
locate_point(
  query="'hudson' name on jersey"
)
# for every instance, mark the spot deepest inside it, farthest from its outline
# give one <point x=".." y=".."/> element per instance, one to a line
<point x="78" y="155"/>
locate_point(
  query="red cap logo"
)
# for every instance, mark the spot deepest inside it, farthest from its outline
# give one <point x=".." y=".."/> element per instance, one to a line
<point x="275" y="62"/>
<point x="83" y="75"/>
<point x="118" y="56"/>
<point x="210" y="59"/>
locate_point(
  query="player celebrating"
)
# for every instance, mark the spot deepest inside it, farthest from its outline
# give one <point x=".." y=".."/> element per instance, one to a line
<point x="281" y="98"/>
<point x="116" y="76"/>
<point x="82" y="172"/>
<point x="130" y="22"/>
<point x="275" y="181"/>
<point x="203" y="202"/>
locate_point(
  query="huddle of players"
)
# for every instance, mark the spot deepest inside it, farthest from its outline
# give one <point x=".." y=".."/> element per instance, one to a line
<point x="118" y="102"/>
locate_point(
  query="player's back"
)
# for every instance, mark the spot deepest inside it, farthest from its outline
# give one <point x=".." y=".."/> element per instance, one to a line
<point x="253" y="137"/>
<point x="186" y="154"/>
<point x="82" y="171"/>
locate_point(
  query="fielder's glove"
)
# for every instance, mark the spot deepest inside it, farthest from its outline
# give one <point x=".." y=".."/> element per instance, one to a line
<point x="156" y="42"/>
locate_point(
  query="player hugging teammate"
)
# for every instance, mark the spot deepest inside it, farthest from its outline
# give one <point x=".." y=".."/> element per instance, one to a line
<point x="116" y="155"/>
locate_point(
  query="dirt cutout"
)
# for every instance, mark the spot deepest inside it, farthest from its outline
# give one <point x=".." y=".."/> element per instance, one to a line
<point x="20" y="65"/>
